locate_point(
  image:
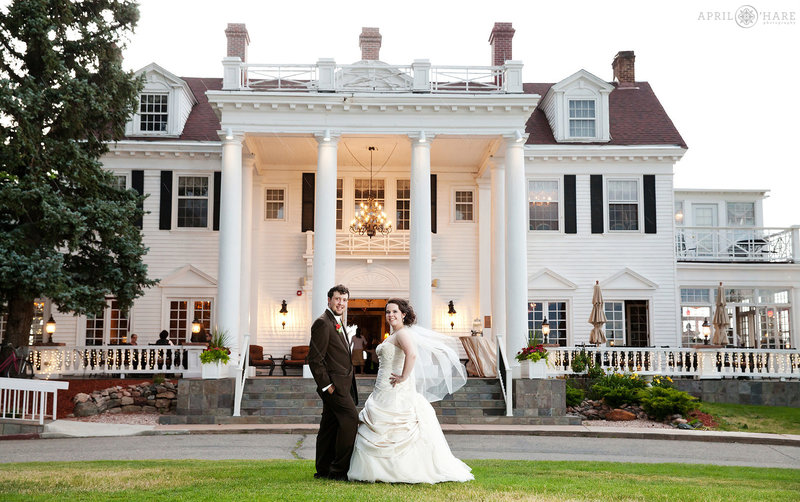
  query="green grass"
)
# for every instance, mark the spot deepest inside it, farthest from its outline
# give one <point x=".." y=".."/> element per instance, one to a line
<point x="496" y="480"/>
<point x="754" y="418"/>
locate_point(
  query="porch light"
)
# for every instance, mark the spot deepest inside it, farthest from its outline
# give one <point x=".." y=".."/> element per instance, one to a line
<point x="679" y="216"/>
<point x="283" y="311"/>
<point x="545" y="328"/>
<point x="196" y="326"/>
<point x="371" y="219"/>
<point x="50" y="327"/>
<point x="451" y="311"/>
<point x="706" y="330"/>
<point x="611" y="343"/>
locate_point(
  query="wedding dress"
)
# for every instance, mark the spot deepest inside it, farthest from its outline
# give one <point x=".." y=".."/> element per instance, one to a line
<point x="399" y="439"/>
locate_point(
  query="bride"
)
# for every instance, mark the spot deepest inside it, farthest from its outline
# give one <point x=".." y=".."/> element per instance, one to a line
<point x="400" y="439"/>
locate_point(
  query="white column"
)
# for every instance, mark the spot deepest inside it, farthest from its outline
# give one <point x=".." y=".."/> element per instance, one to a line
<point x="324" y="274"/>
<point x="419" y="259"/>
<point x="247" y="246"/>
<point x="484" y="251"/>
<point x="498" y="240"/>
<point x="230" y="240"/>
<point x="516" y="248"/>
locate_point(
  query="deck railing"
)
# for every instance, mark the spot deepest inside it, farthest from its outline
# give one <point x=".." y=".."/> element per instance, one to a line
<point x="681" y="361"/>
<point x="116" y="359"/>
<point x="349" y="244"/>
<point x="327" y="76"/>
<point x="24" y="399"/>
<point x="738" y="244"/>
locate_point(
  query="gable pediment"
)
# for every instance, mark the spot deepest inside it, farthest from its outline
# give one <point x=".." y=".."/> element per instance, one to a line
<point x="374" y="76"/>
<point x="546" y="279"/>
<point x="582" y="79"/>
<point x="627" y="279"/>
<point x="188" y="276"/>
<point x="372" y="278"/>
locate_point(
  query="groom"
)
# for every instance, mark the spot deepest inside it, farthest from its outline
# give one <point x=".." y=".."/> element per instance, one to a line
<point x="332" y="367"/>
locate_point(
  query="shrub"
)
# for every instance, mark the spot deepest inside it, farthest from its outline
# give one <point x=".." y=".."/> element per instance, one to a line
<point x="617" y="389"/>
<point x="580" y="362"/>
<point x="574" y="396"/>
<point x="594" y="372"/>
<point x="661" y="381"/>
<point x="661" y="402"/>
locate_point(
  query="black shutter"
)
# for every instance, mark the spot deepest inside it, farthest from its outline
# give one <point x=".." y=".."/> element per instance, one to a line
<point x="217" y="198"/>
<point x="570" y="211"/>
<point x="307" y="220"/>
<point x="137" y="183"/>
<point x="596" y="195"/>
<point x="649" y="204"/>
<point x="165" y="202"/>
<point x="433" y="203"/>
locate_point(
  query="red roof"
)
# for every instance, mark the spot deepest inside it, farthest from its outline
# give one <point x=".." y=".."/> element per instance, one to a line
<point x="636" y="118"/>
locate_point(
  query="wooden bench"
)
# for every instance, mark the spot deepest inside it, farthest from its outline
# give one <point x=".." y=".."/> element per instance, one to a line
<point x="296" y="359"/>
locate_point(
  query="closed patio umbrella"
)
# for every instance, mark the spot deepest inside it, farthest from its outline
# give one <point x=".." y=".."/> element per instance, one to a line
<point x="720" y="321"/>
<point x="598" y="316"/>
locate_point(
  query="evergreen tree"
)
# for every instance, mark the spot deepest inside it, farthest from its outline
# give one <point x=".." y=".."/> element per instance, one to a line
<point x="66" y="231"/>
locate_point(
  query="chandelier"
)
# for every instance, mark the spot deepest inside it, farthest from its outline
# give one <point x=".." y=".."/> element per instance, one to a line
<point x="370" y="219"/>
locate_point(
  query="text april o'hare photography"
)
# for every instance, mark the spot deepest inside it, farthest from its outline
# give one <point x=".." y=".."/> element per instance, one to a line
<point x="399" y="439"/>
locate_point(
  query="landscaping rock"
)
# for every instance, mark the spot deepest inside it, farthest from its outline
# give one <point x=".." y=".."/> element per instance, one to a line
<point x="85" y="409"/>
<point x="82" y="398"/>
<point x="620" y="415"/>
<point x="131" y="408"/>
<point x="134" y="398"/>
<point x="126" y="400"/>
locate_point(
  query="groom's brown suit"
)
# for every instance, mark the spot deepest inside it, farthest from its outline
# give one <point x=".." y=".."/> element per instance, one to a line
<point x="330" y="363"/>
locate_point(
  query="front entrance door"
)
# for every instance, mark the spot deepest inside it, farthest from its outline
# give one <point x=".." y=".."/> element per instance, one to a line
<point x="368" y="315"/>
<point x="637" y="324"/>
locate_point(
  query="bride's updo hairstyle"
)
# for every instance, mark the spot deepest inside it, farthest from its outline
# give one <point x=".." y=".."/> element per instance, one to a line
<point x="405" y="307"/>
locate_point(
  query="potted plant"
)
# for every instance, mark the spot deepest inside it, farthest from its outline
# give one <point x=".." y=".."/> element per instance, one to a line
<point x="536" y="357"/>
<point x="214" y="359"/>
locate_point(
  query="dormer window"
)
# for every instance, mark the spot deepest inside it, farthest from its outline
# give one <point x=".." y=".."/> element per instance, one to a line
<point x="582" y="118"/>
<point x="153" y="113"/>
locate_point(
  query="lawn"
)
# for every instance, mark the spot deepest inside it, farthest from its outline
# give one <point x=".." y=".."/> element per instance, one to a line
<point x="754" y="418"/>
<point x="496" y="480"/>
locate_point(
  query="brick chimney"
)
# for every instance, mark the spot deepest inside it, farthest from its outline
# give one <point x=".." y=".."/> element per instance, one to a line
<point x="500" y="40"/>
<point x="370" y="43"/>
<point x="623" y="66"/>
<point x="238" y="40"/>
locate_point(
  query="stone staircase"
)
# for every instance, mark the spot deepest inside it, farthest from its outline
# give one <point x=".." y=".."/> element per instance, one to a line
<point x="293" y="400"/>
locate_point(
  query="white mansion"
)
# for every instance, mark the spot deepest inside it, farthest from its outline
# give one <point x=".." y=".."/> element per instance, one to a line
<point x="508" y="201"/>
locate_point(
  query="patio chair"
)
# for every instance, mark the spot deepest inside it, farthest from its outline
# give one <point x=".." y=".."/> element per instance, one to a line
<point x="259" y="359"/>
<point x="296" y="359"/>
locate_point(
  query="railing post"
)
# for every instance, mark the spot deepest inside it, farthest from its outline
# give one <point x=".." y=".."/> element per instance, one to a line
<point x="326" y="71"/>
<point x="512" y="76"/>
<point x="422" y="75"/>
<point x="231" y="74"/>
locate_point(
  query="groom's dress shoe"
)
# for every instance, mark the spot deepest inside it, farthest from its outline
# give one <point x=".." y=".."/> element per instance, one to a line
<point x="338" y="477"/>
<point x="318" y="475"/>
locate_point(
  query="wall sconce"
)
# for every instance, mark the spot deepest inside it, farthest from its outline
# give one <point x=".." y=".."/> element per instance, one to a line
<point x="545" y="329"/>
<point x="196" y="326"/>
<point x="611" y="343"/>
<point x="50" y="328"/>
<point x="451" y="311"/>
<point x="706" y="330"/>
<point x="283" y="311"/>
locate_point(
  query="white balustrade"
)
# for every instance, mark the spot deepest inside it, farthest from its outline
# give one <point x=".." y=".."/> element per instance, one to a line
<point x="116" y="359"/>
<point x="681" y="361"/>
<point x="327" y="76"/>
<point x="354" y="245"/>
<point x="24" y="399"/>
<point x="735" y="244"/>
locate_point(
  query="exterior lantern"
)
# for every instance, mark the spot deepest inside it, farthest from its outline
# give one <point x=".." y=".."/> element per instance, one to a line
<point x="545" y="328"/>
<point x="50" y="327"/>
<point x="451" y="311"/>
<point x="196" y="326"/>
<point x="283" y="311"/>
<point x="706" y="330"/>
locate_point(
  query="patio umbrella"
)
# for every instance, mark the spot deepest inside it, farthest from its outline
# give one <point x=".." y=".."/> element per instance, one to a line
<point x="598" y="316"/>
<point x="720" y="321"/>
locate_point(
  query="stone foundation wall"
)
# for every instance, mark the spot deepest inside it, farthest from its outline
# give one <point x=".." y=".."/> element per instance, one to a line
<point x="148" y="398"/>
<point x="763" y="392"/>
<point x="540" y="398"/>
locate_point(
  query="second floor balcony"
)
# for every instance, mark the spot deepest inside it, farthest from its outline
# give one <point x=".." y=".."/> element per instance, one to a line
<point x="738" y="244"/>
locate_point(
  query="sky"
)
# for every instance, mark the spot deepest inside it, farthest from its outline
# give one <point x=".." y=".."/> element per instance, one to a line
<point x="730" y="90"/>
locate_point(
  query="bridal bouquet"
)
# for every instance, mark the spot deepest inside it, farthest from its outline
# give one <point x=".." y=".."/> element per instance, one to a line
<point x="532" y="353"/>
